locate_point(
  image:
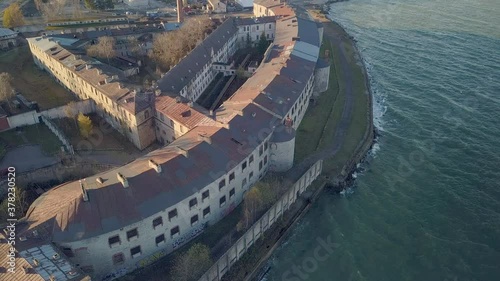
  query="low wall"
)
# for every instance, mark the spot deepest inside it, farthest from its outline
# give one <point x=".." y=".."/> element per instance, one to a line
<point x="59" y="134"/>
<point x="31" y="117"/>
<point x="23" y="119"/>
<point x="241" y="246"/>
<point x="84" y="106"/>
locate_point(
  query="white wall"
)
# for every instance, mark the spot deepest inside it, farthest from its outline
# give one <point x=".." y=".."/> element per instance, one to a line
<point x="321" y="79"/>
<point x="24" y="119"/>
<point x="281" y="158"/>
<point x="84" y="106"/>
<point x="31" y="117"/>
<point x="245" y="3"/>
<point x="97" y="253"/>
<point x="243" y="244"/>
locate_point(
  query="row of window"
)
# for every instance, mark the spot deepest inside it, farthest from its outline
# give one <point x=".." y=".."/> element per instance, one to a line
<point x="159" y="240"/>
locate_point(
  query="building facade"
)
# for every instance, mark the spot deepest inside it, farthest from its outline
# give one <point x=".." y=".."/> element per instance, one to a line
<point x="126" y="109"/>
<point x="8" y="39"/>
<point x="126" y="218"/>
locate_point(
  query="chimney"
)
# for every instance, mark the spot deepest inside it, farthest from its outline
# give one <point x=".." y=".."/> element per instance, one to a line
<point x="157" y="92"/>
<point x="84" y="192"/>
<point x="155" y="166"/>
<point x="108" y="80"/>
<point x="122" y="179"/>
<point x="182" y="151"/>
<point x="190" y="103"/>
<point x="205" y="138"/>
<point x="180" y="11"/>
<point x="88" y="66"/>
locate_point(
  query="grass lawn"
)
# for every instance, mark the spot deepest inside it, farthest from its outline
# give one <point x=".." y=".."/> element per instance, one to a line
<point x="359" y="121"/>
<point x="33" y="134"/>
<point x="310" y="131"/>
<point x="30" y="81"/>
<point x="319" y="125"/>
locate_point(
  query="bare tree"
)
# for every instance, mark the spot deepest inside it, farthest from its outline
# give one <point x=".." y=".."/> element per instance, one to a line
<point x="192" y="264"/>
<point x="6" y="90"/>
<point x="51" y="9"/>
<point x="133" y="45"/>
<point x="71" y="111"/>
<point x="252" y="205"/>
<point x="169" y="48"/>
<point x="105" y="48"/>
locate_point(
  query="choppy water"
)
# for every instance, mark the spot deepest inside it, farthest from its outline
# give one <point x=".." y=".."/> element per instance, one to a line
<point x="428" y="205"/>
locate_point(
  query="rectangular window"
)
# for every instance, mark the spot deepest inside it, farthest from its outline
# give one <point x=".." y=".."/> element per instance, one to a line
<point x="231" y="177"/>
<point x="266" y="145"/>
<point x="206" y="212"/>
<point x="260" y="165"/>
<point x="68" y="252"/>
<point x="250" y="160"/>
<point x="87" y="269"/>
<point x="243" y="166"/>
<point x="114" y="241"/>
<point x="160" y="239"/>
<point x="261" y="151"/>
<point x="222" y="201"/>
<point x="132" y="234"/>
<point x="135" y="252"/>
<point x="174" y="232"/>
<point x="194" y="219"/>
<point x="205" y="195"/>
<point x="157" y="222"/>
<point x="172" y="214"/>
<point x="171" y="123"/>
<point x="231" y="193"/>
<point x="192" y="203"/>
<point x="244" y="182"/>
<point x="222" y="183"/>
<point x="265" y="160"/>
<point x="118" y="258"/>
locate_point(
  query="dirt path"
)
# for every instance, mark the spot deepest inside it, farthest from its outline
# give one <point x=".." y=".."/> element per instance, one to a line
<point x="337" y="39"/>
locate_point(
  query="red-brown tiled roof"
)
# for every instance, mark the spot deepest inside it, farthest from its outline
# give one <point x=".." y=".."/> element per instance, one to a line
<point x="180" y="112"/>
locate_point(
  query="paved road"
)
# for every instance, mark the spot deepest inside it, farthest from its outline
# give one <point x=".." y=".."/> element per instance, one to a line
<point x="27" y="158"/>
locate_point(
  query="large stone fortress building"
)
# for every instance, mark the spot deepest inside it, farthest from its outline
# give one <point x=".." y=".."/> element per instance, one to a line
<point x="114" y="222"/>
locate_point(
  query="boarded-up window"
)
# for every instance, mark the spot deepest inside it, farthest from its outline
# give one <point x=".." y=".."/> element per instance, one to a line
<point x="118" y="258"/>
<point x="157" y="222"/>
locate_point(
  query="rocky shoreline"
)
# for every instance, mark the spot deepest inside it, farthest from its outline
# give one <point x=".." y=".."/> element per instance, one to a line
<point x="338" y="183"/>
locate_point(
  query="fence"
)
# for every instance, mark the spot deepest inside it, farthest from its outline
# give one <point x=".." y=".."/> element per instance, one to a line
<point x="239" y="248"/>
<point x="60" y="135"/>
